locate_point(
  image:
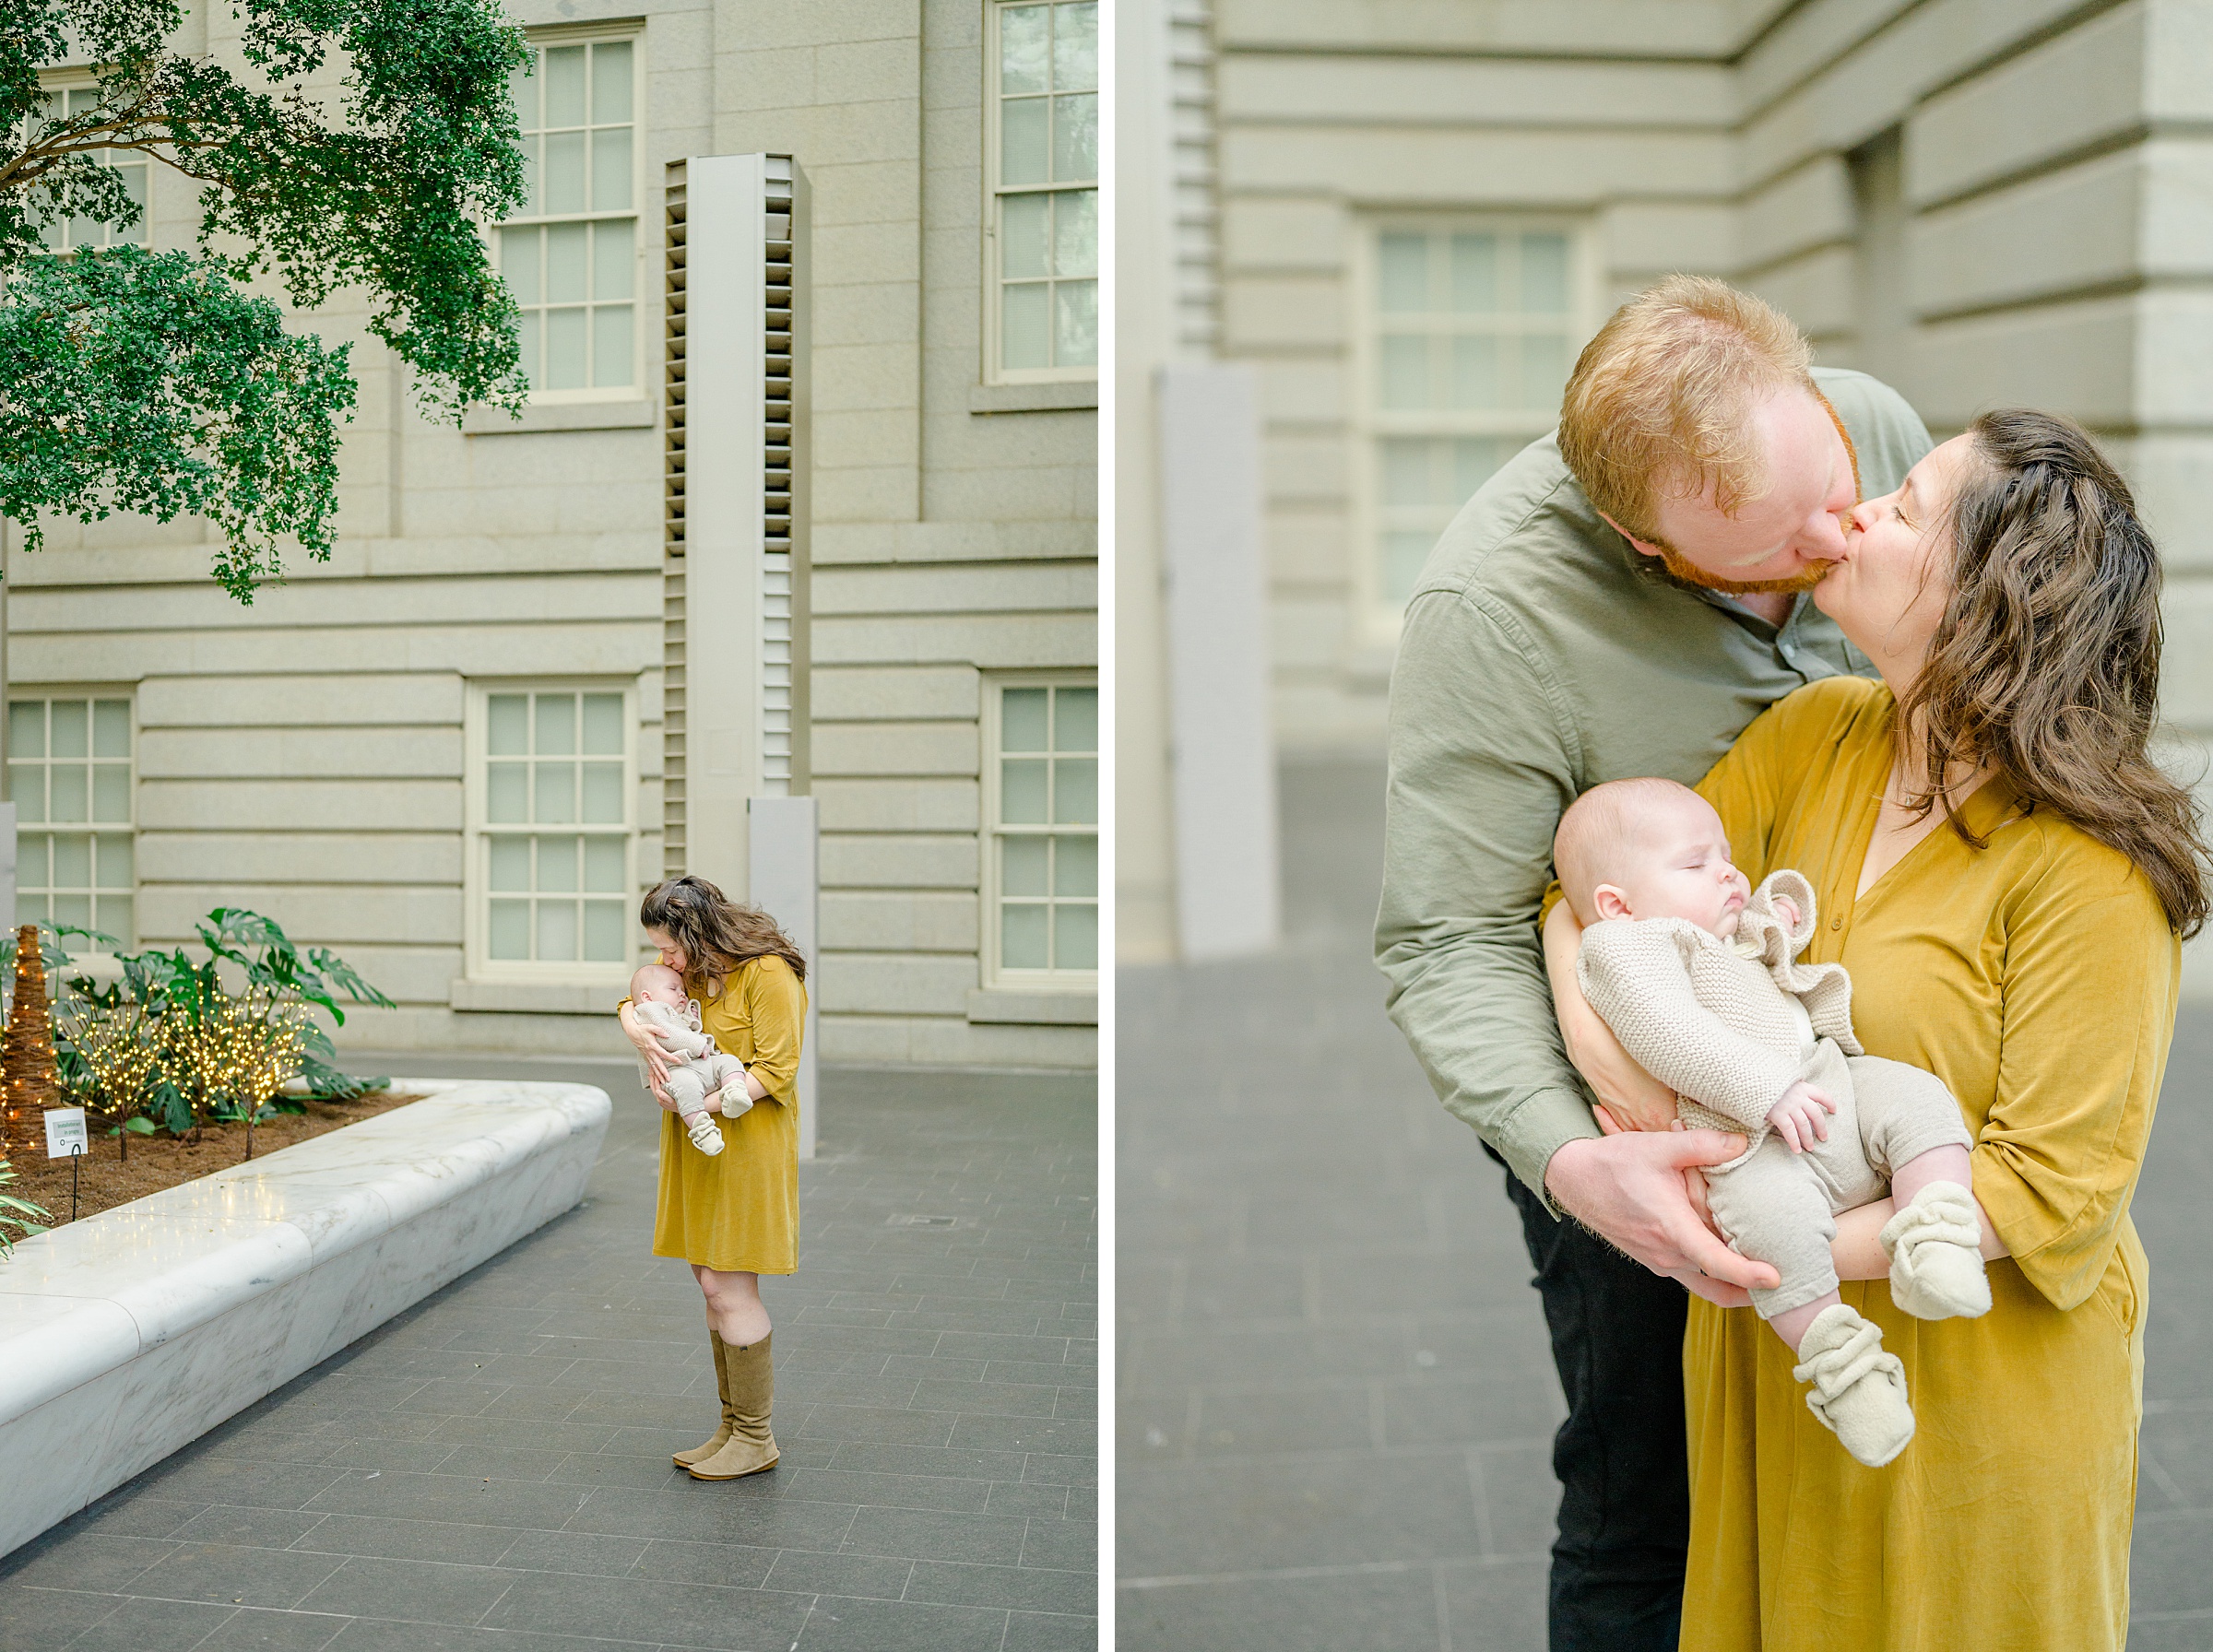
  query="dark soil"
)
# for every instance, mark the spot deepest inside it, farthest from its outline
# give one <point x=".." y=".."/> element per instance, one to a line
<point x="163" y="1161"/>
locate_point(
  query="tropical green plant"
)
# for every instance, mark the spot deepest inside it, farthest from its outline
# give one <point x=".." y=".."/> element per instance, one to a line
<point x="203" y="1049"/>
<point x="152" y="381"/>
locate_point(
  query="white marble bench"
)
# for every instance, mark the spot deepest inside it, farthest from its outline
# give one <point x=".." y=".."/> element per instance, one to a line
<point x="128" y="1334"/>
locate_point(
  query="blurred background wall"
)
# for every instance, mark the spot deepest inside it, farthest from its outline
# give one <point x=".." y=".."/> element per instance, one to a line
<point x="1394" y="223"/>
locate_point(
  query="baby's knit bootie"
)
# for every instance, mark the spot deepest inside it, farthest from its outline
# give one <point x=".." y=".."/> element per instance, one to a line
<point x="732" y="1099"/>
<point x="1936" y="1250"/>
<point x="704" y="1136"/>
<point x="1859" y="1392"/>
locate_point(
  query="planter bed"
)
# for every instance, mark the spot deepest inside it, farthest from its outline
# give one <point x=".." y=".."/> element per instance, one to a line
<point x="106" y="1179"/>
<point x="127" y="1334"/>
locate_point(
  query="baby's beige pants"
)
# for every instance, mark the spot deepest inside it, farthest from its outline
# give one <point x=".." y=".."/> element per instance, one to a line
<point x="698" y="1076"/>
<point x="1778" y="1207"/>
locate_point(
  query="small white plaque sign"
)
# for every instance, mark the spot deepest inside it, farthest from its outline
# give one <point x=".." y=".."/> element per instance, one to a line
<point x="65" y="1136"/>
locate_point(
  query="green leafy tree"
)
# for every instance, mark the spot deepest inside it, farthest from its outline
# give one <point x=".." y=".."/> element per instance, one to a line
<point x="352" y="143"/>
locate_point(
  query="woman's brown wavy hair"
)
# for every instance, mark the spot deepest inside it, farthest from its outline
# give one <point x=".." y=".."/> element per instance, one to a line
<point x="716" y="934"/>
<point x="2046" y="662"/>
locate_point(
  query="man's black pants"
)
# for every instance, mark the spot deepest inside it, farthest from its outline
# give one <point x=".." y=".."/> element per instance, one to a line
<point x="1624" y="1496"/>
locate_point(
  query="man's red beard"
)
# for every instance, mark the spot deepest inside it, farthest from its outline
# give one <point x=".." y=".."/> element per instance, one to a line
<point x="1690" y="573"/>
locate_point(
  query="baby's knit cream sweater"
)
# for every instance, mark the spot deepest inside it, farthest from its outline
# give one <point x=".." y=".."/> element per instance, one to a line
<point x="1726" y="1024"/>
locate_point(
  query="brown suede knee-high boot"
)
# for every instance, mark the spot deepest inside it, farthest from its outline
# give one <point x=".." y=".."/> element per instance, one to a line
<point x="753" y="1389"/>
<point x="684" y="1459"/>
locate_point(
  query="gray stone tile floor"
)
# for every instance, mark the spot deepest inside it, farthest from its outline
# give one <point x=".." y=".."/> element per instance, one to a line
<point x="1335" y="1396"/>
<point x="489" y="1472"/>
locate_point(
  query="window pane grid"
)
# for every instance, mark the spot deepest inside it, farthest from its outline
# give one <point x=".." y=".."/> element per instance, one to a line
<point x="1045" y="849"/>
<point x="1474" y="333"/>
<point x="555" y="759"/>
<point x="66" y="234"/>
<point x="69" y="775"/>
<point x="570" y="255"/>
<point x="1047" y="231"/>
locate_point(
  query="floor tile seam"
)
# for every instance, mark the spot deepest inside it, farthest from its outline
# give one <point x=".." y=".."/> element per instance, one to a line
<point x="129" y="1594"/>
<point x="1372" y="1568"/>
<point x="2165" y="1481"/>
<point x="1279" y="1325"/>
<point x="1426" y="1451"/>
<point x="2174" y="1517"/>
<point x="1422" y="1382"/>
<point x="586" y="1641"/>
<point x="951" y="1480"/>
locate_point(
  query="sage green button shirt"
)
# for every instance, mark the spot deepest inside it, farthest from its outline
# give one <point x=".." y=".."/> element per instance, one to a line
<point x="1542" y="655"/>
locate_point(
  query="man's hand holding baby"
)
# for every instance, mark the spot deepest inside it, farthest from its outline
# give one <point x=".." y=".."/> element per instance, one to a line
<point x="1800" y="1118"/>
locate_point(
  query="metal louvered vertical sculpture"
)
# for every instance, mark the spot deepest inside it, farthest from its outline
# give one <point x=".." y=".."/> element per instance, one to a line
<point x="779" y="738"/>
<point x="673" y="847"/>
<point x="734" y="505"/>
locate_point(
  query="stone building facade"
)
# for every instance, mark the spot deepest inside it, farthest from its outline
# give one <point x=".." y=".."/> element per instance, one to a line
<point x="1407" y="218"/>
<point x="348" y="754"/>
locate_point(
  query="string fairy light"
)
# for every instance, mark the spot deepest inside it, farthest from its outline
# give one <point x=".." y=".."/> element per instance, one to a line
<point x="28" y="1082"/>
<point x="122" y="1056"/>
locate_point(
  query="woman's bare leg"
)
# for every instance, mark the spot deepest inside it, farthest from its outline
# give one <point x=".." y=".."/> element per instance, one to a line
<point x="733" y="1305"/>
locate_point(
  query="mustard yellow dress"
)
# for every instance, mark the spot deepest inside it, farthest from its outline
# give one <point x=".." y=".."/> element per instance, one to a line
<point x="2037" y="978"/>
<point x="739" y="1211"/>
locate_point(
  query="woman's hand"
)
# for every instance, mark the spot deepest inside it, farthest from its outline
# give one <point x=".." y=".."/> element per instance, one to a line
<point x="655" y="1053"/>
<point x="1632" y="1097"/>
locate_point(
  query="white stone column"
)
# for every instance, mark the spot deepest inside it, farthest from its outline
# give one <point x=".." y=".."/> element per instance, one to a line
<point x="725" y="346"/>
<point x="1222" y="752"/>
<point x="784" y="879"/>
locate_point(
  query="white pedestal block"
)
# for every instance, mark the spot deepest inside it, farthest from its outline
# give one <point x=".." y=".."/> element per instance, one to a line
<point x="130" y="1333"/>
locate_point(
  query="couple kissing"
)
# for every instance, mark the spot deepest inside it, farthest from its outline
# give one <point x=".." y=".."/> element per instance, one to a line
<point x="1921" y="681"/>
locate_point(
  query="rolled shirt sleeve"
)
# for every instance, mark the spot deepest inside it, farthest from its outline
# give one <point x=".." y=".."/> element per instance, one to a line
<point x="776" y="1004"/>
<point x="2089" y="1000"/>
<point x="1480" y="772"/>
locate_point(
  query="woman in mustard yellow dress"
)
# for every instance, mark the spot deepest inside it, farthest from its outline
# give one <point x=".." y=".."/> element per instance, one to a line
<point x="2027" y="954"/>
<point x="734" y="1216"/>
<point x="2012" y="928"/>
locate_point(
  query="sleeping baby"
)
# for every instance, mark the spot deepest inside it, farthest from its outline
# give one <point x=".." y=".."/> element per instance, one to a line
<point x="700" y="1076"/>
<point x="1699" y="978"/>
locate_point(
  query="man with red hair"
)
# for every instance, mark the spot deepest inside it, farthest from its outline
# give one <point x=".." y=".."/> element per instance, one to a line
<point x="1621" y="599"/>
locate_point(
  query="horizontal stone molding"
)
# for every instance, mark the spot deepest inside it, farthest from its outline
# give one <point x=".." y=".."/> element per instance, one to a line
<point x="560" y="416"/>
<point x="1058" y="396"/>
<point x="1033" y="1009"/>
<point x="537" y="998"/>
<point x="129" y="1334"/>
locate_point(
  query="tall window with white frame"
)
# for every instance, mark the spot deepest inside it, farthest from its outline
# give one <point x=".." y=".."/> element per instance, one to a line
<point x="66" y="234"/>
<point x="553" y="824"/>
<point x="1471" y="333"/>
<point x="1044" y="150"/>
<point x="1042" y="860"/>
<point x="70" y="776"/>
<point x="570" y="256"/>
